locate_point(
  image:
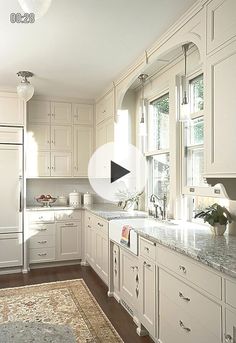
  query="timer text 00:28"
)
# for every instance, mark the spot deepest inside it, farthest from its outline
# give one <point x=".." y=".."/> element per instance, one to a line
<point x="26" y="18"/>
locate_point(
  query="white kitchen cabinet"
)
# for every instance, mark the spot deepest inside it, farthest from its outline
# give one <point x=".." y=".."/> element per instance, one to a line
<point x="38" y="137"/>
<point x="38" y="164"/>
<point x="68" y="238"/>
<point x="101" y="259"/>
<point x="105" y="132"/>
<point x="61" y="113"/>
<point x="61" y="164"/>
<point x="116" y="267"/>
<point x="129" y="278"/>
<point x="38" y="112"/>
<point x="11" y="249"/>
<point x="61" y="138"/>
<point x="221" y="22"/>
<point x="105" y="108"/>
<point x="230" y="327"/>
<point x="148" y="294"/>
<point x="82" y="150"/>
<point x="82" y="114"/>
<point x="11" y="110"/>
<point x="220" y="124"/>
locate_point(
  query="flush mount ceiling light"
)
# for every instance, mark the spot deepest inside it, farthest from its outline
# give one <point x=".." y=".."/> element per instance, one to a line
<point x="25" y="90"/>
<point x="142" y="78"/>
<point x="38" y="7"/>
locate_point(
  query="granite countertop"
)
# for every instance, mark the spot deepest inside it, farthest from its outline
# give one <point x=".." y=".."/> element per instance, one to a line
<point x="197" y="242"/>
<point x="105" y="211"/>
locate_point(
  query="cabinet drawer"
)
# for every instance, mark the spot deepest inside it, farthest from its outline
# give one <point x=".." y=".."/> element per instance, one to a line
<point x="192" y="302"/>
<point x="100" y="225"/>
<point x="182" y="266"/>
<point x="230" y="293"/>
<point x="42" y="242"/>
<point x="42" y="230"/>
<point x="41" y="216"/>
<point x="179" y="326"/>
<point x="67" y="215"/>
<point x="147" y="249"/>
<point x="42" y="255"/>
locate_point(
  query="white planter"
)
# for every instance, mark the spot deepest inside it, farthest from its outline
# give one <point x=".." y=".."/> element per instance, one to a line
<point x="218" y="229"/>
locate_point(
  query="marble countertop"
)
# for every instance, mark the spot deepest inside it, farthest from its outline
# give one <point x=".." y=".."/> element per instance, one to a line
<point x="197" y="242"/>
<point x="105" y="211"/>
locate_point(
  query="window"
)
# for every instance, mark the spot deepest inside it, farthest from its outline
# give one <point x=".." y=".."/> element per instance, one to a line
<point x="158" y="146"/>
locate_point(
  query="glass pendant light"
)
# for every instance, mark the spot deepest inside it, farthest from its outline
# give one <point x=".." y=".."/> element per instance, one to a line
<point x="38" y="7"/>
<point x="185" y="110"/>
<point x="25" y="90"/>
<point x="142" y="78"/>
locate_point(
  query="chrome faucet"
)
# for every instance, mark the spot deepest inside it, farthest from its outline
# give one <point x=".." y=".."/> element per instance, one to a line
<point x="162" y="208"/>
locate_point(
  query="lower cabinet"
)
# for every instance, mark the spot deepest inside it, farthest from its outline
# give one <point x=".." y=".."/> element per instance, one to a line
<point x="148" y="295"/>
<point x="54" y="236"/>
<point x="96" y="237"/>
<point x="230" y="327"/>
<point x="11" y="250"/>
<point x="129" y="279"/>
<point x="68" y="241"/>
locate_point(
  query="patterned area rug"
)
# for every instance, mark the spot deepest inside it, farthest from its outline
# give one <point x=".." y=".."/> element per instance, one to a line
<point x="62" y="311"/>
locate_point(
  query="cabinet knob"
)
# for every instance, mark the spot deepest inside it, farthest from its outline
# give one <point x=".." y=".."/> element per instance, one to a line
<point x="181" y="324"/>
<point x="43" y="254"/>
<point x="183" y="269"/>
<point x="147" y="264"/>
<point x="147" y="249"/>
<point x="228" y="338"/>
<point x="99" y="224"/>
<point x="42" y="242"/>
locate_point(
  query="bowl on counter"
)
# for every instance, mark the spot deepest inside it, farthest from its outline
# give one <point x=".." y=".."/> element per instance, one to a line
<point x="45" y="201"/>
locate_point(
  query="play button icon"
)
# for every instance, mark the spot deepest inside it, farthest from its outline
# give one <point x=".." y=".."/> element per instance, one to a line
<point x="117" y="171"/>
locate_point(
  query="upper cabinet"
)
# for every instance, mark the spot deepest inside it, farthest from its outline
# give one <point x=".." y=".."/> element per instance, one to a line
<point x="39" y="112"/>
<point x="61" y="113"/>
<point x="82" y="114"/>
<point x="11" y="110"/>
<point x="221" y="23"/>
<point x="58" y="146"/>
<point x="105" y="107"/>
<point x="105" y="132"/>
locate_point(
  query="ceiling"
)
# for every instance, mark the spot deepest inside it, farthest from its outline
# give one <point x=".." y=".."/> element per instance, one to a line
<point x="80" y="46"/>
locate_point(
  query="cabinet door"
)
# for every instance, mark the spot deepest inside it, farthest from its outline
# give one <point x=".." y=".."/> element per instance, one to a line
<point x="82" y="114"/>
<point x="221" y="22"/>
<point x="147" y="298"/>
<point x="220" y="118"/>
<point x="116" y="267"/>
<point x="110" y="130"/>
<point x="129" y="282"/>
<point x="230" y="329"/>
<point x="83" y="147"/>
<point x="38" y="163"/>
<point x="105" y="108"/>
<point x="38" y="136"/>
<point x="38" y="112"/>
<point x="92" y="246"/>
<point x="61" y="138"/>
<point x="10" y="250"/>
<point x="11" y="110"/>
<point x="101" y="259"/>
<point x="61" y="113"/>
<point x="68" y="238"/>
<point x="61" y="164"/>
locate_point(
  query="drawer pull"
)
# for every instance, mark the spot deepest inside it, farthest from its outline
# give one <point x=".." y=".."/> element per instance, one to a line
<point x="183" y="269"/>
<point x="69" y="224"/>
<point x="147" y="249"/>
<point x="183" y="297"/>
<point x="147" y="265"/>
<point x="41" y="217"/>
<point x="89" y="226"/>
<point x="43" y="229"/>
<point x="228" y="338"/>
<point x="99" y="224"/>
<point x="132" y="267"/>
<point x="43" y="254"/>
<point x="181" y="324"/>
<point x="42" y="242"/>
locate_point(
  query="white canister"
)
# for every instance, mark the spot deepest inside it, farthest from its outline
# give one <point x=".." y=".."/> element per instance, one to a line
<point x="88" y="199"/>
<point x="75" y="199"/>
<point x="62" y="200"/>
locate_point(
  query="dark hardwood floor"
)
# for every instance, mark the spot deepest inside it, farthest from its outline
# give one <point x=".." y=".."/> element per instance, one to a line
<point x="120" y="319"/>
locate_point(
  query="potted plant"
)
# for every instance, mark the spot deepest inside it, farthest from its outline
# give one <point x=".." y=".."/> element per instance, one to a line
<point x="217" y="216"/>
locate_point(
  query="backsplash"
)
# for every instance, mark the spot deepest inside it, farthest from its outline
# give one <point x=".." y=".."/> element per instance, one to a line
<point x="56" y="187"/>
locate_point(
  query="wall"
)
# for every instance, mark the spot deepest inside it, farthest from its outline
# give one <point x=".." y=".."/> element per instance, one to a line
<point x="55" y="187"/>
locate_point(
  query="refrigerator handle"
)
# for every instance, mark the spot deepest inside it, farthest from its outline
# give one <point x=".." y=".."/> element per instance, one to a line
<point x="21" y="200"/>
